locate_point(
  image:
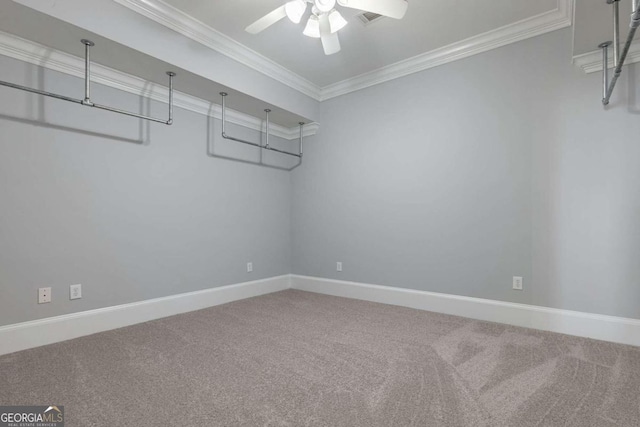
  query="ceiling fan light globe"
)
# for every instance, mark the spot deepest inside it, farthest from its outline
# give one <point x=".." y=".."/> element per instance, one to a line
<point x="313" y="27"/>
<point x="336" y="21"/>
<point x="324" y="5"/>
<point x="295" y="9"/>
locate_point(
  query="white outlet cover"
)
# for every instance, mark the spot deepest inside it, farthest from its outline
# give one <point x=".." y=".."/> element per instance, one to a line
<point x="517" y="283"/>
<point x="339" y="266"/>
<point x="249" y="267"/>
<point x="44" y="295"/>
<point x="75" y="292"/>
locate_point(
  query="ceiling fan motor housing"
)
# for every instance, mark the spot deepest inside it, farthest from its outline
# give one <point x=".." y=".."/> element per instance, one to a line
<point x="324" y="5"/>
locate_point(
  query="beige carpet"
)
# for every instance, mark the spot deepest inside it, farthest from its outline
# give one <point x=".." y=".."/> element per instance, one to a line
<point x="301" y="359"/>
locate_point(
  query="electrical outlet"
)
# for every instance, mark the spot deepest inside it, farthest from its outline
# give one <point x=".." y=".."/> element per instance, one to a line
<point x="249" y="267"/>
<point x="339" y="266"/>
<point x="517" y="283"/>
<point x="44" y="295"/>
<point x="75" y="291"/>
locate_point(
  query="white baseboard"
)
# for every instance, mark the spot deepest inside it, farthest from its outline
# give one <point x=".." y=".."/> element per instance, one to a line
<point x="22" y="336"/>
<point x="597" y="326"/>
<point x="36" y="333"/>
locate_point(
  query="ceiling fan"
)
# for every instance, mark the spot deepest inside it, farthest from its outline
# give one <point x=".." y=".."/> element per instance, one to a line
<point x="325" y="20"/>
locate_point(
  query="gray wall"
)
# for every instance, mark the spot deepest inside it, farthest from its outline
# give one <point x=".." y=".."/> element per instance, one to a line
<point x="457" y="178"/>
<point x="130" y="210"/>
<point x="450" y="180"/>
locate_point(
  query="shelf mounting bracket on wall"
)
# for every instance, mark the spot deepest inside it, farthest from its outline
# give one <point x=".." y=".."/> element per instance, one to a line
<point x="87" y="102"/>
<point x="618" y="57"/>
<point x="266" y="146"/>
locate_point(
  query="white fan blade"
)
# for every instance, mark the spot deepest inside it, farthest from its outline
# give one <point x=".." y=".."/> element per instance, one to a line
<point x="391" y="8"/>
<point x="330" y="42"/>
<point x="266" y="21"/>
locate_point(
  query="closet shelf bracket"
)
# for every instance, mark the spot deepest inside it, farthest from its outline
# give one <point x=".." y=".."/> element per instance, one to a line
<point x="87" y="102"/>
<point x="266" y="146"/>
<point x="619" y="57"/>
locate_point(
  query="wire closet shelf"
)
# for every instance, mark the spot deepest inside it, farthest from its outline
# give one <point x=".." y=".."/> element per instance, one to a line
<point x="88" y="102"/>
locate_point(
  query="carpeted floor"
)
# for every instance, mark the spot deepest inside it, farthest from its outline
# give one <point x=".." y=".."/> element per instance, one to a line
<point x="300" y="359"/>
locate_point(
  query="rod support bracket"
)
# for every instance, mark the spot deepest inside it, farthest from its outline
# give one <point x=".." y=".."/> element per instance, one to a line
<point x="171" y="74"/>
<point x="267" y="110"/>
<point x="87" y="42"/>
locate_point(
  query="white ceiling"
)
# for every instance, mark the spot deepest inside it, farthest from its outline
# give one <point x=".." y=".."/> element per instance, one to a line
<point x="428" y="25"/>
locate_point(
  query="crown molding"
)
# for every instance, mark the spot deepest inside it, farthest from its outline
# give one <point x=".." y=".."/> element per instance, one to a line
<point x="552" y="20"/>
<point x="34" y="53"/>
<point x="591" y="62"/>
<point x="190" y="27"/>
<point x="177" y="20"/>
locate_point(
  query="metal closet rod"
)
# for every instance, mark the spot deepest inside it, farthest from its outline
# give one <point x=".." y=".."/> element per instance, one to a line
<point x="87" y="91"/>
<point x="619" y="57"/>
<point x="257" y="144"/>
